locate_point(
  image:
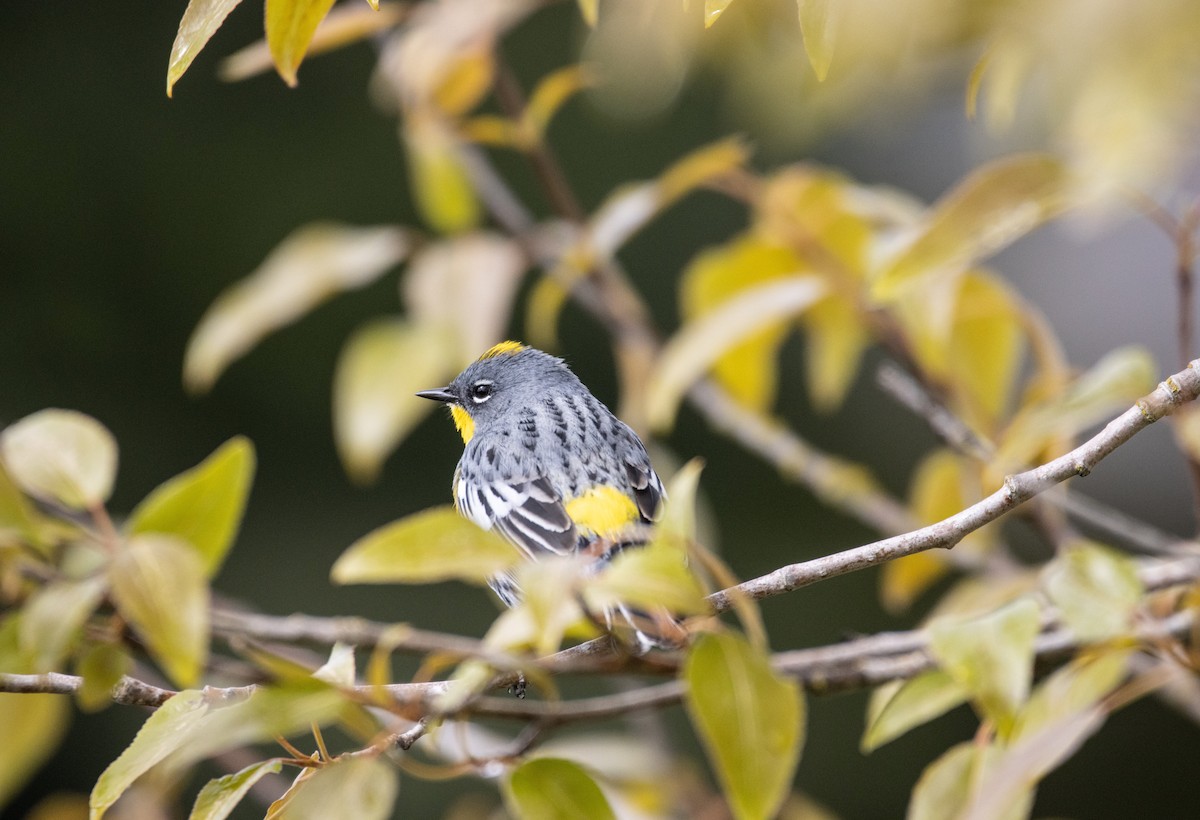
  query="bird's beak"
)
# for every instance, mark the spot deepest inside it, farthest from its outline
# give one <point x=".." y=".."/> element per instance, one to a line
<point x="441" y="394"/>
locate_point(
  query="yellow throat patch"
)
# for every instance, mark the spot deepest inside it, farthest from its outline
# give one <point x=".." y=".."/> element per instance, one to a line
<point x="463" y="422"/>
<point x="602" y="511"/>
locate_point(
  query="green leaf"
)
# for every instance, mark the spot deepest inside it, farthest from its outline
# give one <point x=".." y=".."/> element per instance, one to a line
<point x="314" y="263"/>
<point x="548" y="788"/>
<point x="32" y="726"/>
<point x="201" y="19"/>
<point x="16" y="513"/>
<point x="360" y="787"/>
<point x="750" y="720"/>
<point x="436" y="544"/>
<point x="193" y="725"/>
<point x="220" y="797"/>
<point x="1096" y="590"/>
<point x="61" y="456"/>
<point x="290" y="26"/>
<point x="992" y="657"/>
<point x="700" y="343"/>
<point x="52" y="619"/>
<point x="379" y="371"/>
<point x="946" y="786"/>
<point x="158" y="586"/>
<point x="204" y="505"/>
<point x="101" y="666"/>
<point x="902" y="705"/>
<point x="818" y="27"/>
<point x="656" y="575"/>
<point x="589" y="10"/>
<point x="990" y="209"/>
<point x="1079" y="685"/>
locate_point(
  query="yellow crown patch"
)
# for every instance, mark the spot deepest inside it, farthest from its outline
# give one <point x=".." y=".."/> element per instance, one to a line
<point x="508" y="348"/>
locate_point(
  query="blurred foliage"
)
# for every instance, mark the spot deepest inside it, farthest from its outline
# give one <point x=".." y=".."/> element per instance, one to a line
<point x="856" y="270"/>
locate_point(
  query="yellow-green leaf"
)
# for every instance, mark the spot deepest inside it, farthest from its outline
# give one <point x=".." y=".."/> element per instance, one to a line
<point x="204" y="505"/>
<point x="1079" y="685"/>
<point x="101" y="666"/>
<point x="1096" y="590"/>
<point x="359" y="787"/>
<point x="548" y="96"/>
<point x="985" y="347"/>
<point x="437" y="544"/>
<point x="339" y="670"/>
<point x="18" y="520"/>
<point x="158" y="586"/>
<point x="466" y="284"/>
<point x="32" y="726"/>
<point x="61" y="456"/>
<point x="542" y="308"/>
<point x="818" y="26"/>
<point x="714" y="9"/>
<point x="991" y="656"/>
<point x="750" y="720"/>
<point x="443" y="191"/>
<point x="655" y="576"/>
<point x="678" y="521"/>
<point x="52" y="619"/>
<point x="902" y="705"/>
<point x="379" y="371"/>
<point x="314" y="263"/>
<point x="201" y="19"/>
<point x="748" y="369"/>
<point x="947" y="785"/>
<point x="549" y="605"/>
<point x="290" y="25"/>
<point x="993" y="207"/>
<point x="700" y="343"/>
<point x="220" y="796"/>
<point x="548" y="788"/>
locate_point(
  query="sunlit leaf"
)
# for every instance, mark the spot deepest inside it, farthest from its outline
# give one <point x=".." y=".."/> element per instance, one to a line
<point x="589" y="10"/>
<point x="1096" y="590"/>
<point x="220" y="796"/>
<point x="678" y="521"/>
<point x="53" y="617"/>
<point x="549" y="606"/>
<point x="158" y="586"/>
<point x="837" y="338"/>
<point x="903" y="580"/>
<point x="818" y="26"/>
<point x="203" y="505"/>
<point x="994" y="206"/>
<point x="32" y="727"/>
<point x="101" y="666"/>
<point x="314" y="263"/>
<point x="999" y="76"/>
<point x="346" y="23"/>
<point x="61" y="456"/>
<point x="620" y="757"/>
<point x="17" y="518"/>
<point x="654" y="576"/>
<point x="700" y="166"/>
<point x="991" y="656"/>
<point x="946" y="786"/>
<point x="437" y="544"/>
<point x="443" y="191"/>
<point x="750" y="720"/>
<point x="747" y="370"/>
<point x="550" y="788"/>
<point x="380" y="369"/>
<point x="200" y="21"/>
<point x="548" y="96"/>
<point x="359" y="787"/>
<point x="1079" y="685"/>
<point x="339" y="670"/>
<point x="700" y="343"/>
<point x="542" y="309"/>
<point x="290" y="25"/>
<point x="466" y="283"/>
<point x="902" y="705"/>
<point x="985" y="347"/>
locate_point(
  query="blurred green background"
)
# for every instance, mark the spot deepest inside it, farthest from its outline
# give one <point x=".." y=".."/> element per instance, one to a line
<point x="124" y="213"/>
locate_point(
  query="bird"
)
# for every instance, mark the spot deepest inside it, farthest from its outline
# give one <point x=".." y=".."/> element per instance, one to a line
<point x="551" y="469"/>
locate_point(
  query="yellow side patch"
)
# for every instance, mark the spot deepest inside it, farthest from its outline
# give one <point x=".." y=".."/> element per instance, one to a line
<point x="603" y="511"/>
<point x="509" y="348"/>
<point x="463" y="422"/>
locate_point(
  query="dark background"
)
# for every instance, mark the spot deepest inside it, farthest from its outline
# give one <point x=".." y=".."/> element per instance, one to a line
<point x="123" y="213"/>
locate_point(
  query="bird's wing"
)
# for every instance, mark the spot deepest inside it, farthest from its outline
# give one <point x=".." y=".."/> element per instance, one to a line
<point x="648" y="491"/>
<point x="525" y="510"/>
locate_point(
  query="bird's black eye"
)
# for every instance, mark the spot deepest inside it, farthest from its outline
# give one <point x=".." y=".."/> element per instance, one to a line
<point x="481" y="391"/>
